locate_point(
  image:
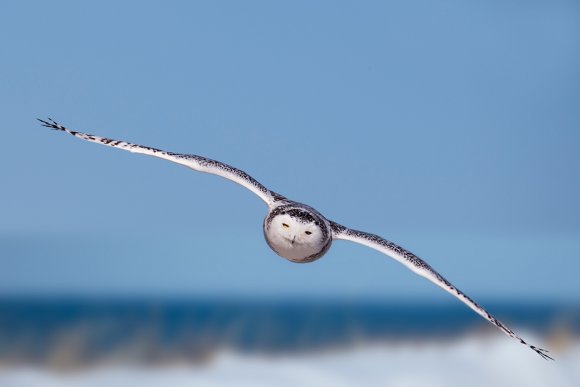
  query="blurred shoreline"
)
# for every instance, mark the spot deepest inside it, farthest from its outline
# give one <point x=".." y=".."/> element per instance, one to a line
<point x="68" y="333"/>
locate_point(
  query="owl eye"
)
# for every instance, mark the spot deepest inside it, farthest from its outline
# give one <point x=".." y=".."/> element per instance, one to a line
<point x="307" y="232"/>
<point x="285" y="225"/>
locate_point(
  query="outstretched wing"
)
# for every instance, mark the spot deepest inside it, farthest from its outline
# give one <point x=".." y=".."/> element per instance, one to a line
<point x="420" y="267"/>
<point x="197" y="163"/>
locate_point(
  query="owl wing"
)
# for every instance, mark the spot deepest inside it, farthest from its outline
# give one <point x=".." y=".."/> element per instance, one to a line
<point x="197" y="163"/>
<point x="423" y="269"/>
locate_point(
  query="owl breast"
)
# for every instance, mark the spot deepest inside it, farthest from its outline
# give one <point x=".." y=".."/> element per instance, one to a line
<point x="297" y="232"/>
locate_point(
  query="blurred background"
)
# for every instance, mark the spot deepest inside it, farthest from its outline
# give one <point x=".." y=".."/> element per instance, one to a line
<point x="450" y="128"/>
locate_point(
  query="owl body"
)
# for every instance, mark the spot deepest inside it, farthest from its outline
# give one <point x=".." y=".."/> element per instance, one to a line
<point x="297" y="232"/>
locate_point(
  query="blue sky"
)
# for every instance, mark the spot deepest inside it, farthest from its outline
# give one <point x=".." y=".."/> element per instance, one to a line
<point x="451" y="128"/>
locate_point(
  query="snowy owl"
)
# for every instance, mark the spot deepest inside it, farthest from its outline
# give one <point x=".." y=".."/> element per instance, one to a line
<point x="296" y="231"/>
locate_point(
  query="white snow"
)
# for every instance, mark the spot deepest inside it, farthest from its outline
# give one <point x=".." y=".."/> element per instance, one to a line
<point x="473" y="361"/>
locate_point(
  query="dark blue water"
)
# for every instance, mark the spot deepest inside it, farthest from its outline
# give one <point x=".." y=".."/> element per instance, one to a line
<point x="38" y="330"/>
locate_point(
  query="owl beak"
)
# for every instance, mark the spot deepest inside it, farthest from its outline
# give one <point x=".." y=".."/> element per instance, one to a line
<point x="293" y="239"/>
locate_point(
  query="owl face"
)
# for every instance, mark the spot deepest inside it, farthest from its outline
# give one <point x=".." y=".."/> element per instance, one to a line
<point x="297" y="233"/>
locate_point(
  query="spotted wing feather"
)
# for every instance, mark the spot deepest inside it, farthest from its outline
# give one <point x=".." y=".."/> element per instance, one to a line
<point x="420" y="267"/>
<point x="197" y="163"/>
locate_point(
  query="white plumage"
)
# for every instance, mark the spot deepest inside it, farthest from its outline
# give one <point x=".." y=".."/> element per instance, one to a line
<point x="296" y="231"/>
